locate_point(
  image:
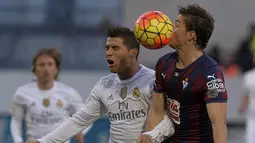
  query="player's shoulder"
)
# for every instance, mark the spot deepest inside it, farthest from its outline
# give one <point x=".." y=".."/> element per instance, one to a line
<point x="27" y="87"/>
<point x="145" y="76"/>
<point x="210" y="68"/>
<point x="64" y="87"/>
<point x="147" y="71"/>
<point x="249" y="75"/>
<point x="167" y="57"/>
<point x="23" y="91"/>
<point x="209" y="65"/>
<point x="107" y="81"/>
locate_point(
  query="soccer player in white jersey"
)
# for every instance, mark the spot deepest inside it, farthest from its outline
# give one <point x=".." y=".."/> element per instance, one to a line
<point x="44" y="103"/>
<point x="249" y="99"/>
<point x="124" y="94"/>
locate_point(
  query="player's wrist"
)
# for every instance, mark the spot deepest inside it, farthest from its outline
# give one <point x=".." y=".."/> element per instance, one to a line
<point x="39" y="141"/>
<point x="164" y="129"/>
<point x="19" y="141"/>
<point x="151" y="134"/>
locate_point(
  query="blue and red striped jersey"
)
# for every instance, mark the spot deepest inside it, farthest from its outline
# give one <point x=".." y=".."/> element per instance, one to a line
<point x="188" y="91"/>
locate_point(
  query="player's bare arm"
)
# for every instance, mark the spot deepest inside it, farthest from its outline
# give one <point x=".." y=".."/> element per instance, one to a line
<point x="156" y="112"/>
<point x="158" y="124"/>
<point x="155" y="115"/>
<point x="155" y="120"/>
<point x="218" y="113"/>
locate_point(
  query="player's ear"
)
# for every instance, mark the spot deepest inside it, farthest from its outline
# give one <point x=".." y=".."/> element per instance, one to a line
<point x="133" y="52"/>
<point x="192" y="35"/>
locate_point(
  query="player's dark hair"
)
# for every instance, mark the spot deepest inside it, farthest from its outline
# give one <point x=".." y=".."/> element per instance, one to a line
<point x="199" y="20"/>
<point x="126" y="35"/>
<point x="52" y="52"/>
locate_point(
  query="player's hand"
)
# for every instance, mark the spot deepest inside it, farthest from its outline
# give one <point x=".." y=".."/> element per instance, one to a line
<point x="32" y="142"/>
<point x="144" y="139"/>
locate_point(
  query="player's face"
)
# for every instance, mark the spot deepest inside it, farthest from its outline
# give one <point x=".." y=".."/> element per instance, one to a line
<point x="45" y="68"/>
<point x="116" y="55"/>
<point x="181" y="36"/>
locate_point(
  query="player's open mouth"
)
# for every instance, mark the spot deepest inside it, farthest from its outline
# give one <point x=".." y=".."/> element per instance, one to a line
<point x="110" y="62"/>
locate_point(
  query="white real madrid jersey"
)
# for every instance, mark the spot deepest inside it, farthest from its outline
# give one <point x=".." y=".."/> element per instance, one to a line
<point x="43" y="110"/>
<point x="126" y="102"/>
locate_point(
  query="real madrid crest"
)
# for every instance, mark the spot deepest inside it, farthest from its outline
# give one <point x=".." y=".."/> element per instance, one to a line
<point x="59" y="103"/>
<point x="136" y="93"/>
<point x="46" y="102"/>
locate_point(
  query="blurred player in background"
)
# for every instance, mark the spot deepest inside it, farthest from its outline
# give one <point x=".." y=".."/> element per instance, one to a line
<point x="249" y="100"/>
<point x="125" y="94"/>
<point x="192" y="82"/>
<point x="45" y="103"/>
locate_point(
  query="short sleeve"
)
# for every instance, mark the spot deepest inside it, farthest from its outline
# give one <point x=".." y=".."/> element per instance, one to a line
<point x="214" y="87"/>
<point x="158" y="84"/>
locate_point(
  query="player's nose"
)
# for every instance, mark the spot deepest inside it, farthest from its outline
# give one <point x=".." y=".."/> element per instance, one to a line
<point x="108" y="52"/>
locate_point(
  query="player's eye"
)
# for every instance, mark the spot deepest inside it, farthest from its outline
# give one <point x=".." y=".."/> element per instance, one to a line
<point x="41" y="64"/>
<point x="106" y="48"/>
<point x="50" y="64"/>
<point x="115" y="47"/>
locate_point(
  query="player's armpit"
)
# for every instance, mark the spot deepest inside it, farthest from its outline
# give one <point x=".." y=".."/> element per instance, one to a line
<point x="218" y="113"/>
<point x="156" y="112"/>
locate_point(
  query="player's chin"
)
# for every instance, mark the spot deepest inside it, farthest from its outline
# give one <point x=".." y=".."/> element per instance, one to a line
<point x="113" y="70"/>
<point x="46" y="79"/>
<point x="172" y="44"/>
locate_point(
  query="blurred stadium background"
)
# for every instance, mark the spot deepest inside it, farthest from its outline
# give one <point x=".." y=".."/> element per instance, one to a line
<point x="77" y="28"/>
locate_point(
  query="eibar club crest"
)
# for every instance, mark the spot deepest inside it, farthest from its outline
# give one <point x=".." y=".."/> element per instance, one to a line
<point x="46" y="102"/>
<point x="136" y="93"/>
<point x="185" y="83"/>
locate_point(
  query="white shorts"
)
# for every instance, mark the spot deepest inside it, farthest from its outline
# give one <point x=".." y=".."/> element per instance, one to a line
<point x="250" y="131"/>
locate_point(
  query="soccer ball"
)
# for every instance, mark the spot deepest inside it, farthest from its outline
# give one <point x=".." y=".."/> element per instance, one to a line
<point x="153" y="29"/>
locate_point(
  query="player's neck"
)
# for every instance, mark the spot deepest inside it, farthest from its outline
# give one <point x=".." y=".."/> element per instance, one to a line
<point x="129" y="72"/>
<point x="45" y="85"/>
<point x="187" y="55"/>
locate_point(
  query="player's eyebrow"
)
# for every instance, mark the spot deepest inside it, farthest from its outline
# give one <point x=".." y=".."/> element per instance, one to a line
<point x="177" y="21"/>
